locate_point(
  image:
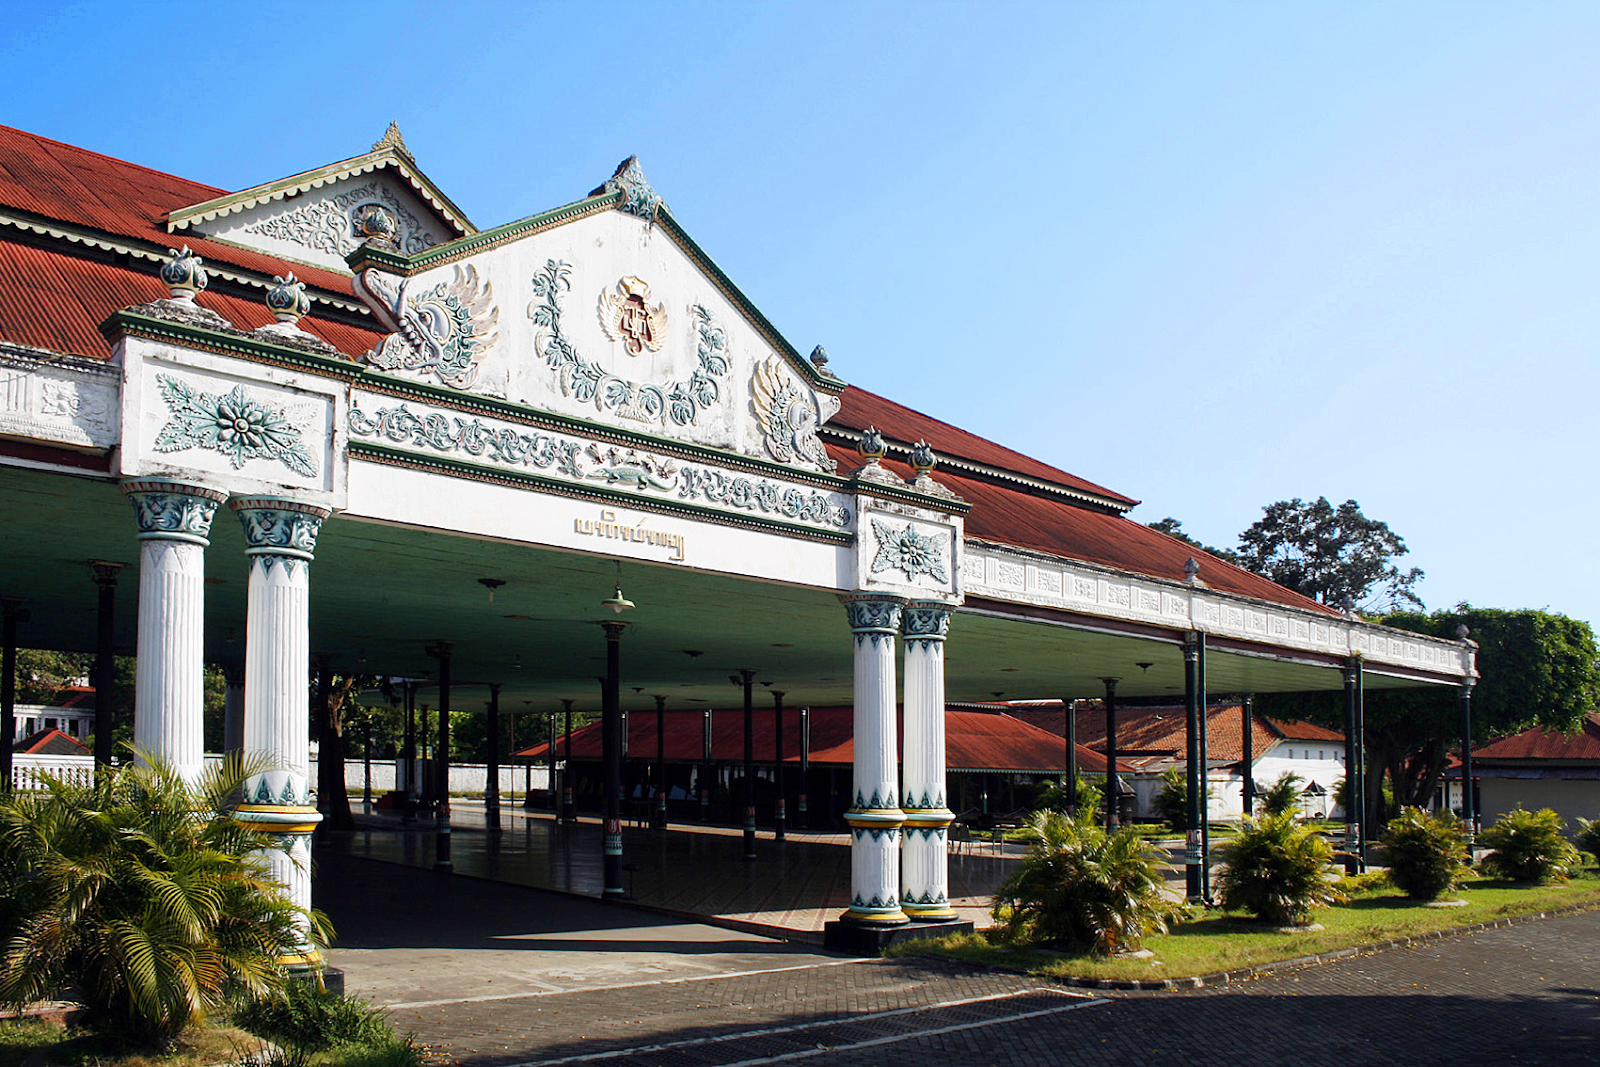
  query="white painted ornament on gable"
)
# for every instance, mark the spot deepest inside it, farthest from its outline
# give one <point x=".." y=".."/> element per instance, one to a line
<point x="444" y="328"/>
<point x="788" y="415"/>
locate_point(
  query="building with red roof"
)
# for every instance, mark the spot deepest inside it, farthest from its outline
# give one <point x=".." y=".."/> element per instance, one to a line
<point x="1540" y="768"/>
<point x="485" y="441"/>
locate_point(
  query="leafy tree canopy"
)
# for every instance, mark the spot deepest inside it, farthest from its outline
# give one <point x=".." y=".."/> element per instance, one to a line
<point x="1173" y="528"/>
<point x="1331" y="554"/>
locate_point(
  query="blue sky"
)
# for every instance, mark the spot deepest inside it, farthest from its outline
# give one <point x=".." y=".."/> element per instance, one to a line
<point x="1211" y="256"/>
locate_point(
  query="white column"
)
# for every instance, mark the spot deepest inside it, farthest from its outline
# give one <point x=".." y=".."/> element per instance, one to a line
<point x="925" y="872"/>
<point x="874" y="816"/>
<point x="280" y="536"/>
<point x="169" y="694"/>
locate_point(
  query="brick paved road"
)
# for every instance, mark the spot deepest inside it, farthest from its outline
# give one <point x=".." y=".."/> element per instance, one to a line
<point x="1525" y="994"/>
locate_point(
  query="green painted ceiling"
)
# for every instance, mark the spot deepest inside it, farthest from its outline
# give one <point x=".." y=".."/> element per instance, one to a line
<point x="381" y="594"/>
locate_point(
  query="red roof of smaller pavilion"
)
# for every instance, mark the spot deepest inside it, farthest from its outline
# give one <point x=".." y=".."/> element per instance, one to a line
<point x="1161" y="731"/>
<point x="51" y="743"/>
<point x="974" y="740"/>
<point x="1540" y="743"/>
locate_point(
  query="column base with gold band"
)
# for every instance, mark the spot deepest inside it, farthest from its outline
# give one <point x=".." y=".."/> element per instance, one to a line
<point x="925" y="893"/>
<point x="875" y="867"/>
<point x="291" y="825"/>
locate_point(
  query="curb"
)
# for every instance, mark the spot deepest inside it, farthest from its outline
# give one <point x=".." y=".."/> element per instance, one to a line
<point x="1217" y="978"/>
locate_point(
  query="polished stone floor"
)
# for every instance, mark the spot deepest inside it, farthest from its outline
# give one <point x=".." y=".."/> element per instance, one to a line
<point x="790" y="890"/>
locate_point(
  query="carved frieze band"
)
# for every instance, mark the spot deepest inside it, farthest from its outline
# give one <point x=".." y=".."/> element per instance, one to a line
<point x="173" y="511"/>
<point x="68" y="405"/>
<point x="581" y="461"/>
<point x="1026" y="579"/>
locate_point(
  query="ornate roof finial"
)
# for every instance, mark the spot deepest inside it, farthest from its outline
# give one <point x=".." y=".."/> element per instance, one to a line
<point x="872" y="448"/>
<point x="184" y="274"/>
<point x="638" y="198"/>
<point x="288" y="300"/>
<point x="923" y="461"/>
<point x="392" y="139"/>
<point x="819" y="360"/>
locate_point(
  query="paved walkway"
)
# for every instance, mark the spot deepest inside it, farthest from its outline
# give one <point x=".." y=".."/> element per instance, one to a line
<point x="492" y="975"/>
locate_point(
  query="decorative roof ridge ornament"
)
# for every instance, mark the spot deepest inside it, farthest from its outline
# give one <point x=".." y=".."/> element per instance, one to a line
<point x="638" y="198"/>
<point x="392" y="139"/>
<point x="1191" y="574"/>
<point x="289" y="303"/>
<point x="871" y="448"/>
<point x="923" y="461"/>
<point x="819" y="360"/>
<point x="185" y="275"/>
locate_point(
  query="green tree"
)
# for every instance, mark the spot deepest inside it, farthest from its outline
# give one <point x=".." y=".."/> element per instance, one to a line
<point x="145" y="895"/>
<point x="1330" y="554"/>
<point x="42" y="673"/>
<point x="1537" y="669"/>
<point x="1173" y="528"/>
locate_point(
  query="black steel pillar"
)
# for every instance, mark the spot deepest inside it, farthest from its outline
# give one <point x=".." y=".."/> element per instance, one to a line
<point x="366" y="764"/>
<point x="1247" y="795"/>
<point x="326" y="741"/>
<point x="13" y="613"/>
<point x="441" y="762"/>
<point x="1069" y="746"/>
<point x="1191" y="709"/>
<point x="749" y="677"/>
<point x="802" y="816"/>
<point x="1113" y="817"/>
<point x="1205" y="773"/>
<point x="569" y="796"/>
<point x="780" y="813"/>
<point x="552" y="793"/>
<point x="1352" y="798"/>
<point x="105" y="660"/>
<point x="611" y="744"/>
<point x="1361" y="761"/>
<point x="705" y="767"/>
<point x="1469" y="807"/>
<point x="408" y="754"/>
<point x="660" y="822"/>
<point x="491" y="787"/>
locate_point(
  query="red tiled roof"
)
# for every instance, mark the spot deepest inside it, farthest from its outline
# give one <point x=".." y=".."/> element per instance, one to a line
<point x="860" y="409"/>
<point x="974" y="740"/>
<point x="51" y="743"/>
<point x="1161" y="731"/>
<point x="1540" y="743"/>
<point x="57" y="300"/>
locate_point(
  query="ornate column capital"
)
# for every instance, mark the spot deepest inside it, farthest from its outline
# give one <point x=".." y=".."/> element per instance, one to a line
<point x="278" y="526"/>
<point x="925" y="621"/>
<point x="173" y="511"/>
<point x="873" y="613"/>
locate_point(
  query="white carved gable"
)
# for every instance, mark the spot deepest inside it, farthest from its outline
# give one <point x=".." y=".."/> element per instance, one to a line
<point x="607" y="319"/>
<point x="318" y="225"/>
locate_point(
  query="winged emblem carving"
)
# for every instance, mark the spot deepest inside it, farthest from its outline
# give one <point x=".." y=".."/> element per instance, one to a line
<point x="444" y="328"/>
<point x="787" y="415"/>
<point x="626" y="316"/>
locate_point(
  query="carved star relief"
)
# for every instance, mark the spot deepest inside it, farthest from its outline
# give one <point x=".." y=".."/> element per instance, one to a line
<point x="909" y="551"/>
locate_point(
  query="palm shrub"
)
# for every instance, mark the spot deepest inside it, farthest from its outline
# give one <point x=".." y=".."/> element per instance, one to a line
<point x="304" y="1021"/>
<point x="1589" y="836"/>
<point x="1528" y="847"/>
<point x="1080" y="886"/>
<point x="1426" y="854"/>
<point x="1278" y="870"/>
<point x="1054" y="796"/>
<point x="1172" y="801"/>
<point x="143" y="895"/>
<point x="1280" y="797"/>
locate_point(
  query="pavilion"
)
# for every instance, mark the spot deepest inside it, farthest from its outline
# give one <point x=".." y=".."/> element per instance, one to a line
<point x="522" y="459"/>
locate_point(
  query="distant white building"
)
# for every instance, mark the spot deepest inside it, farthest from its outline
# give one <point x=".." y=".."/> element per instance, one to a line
<point x="1153" y="739"/>
<point x="72" y="713"/>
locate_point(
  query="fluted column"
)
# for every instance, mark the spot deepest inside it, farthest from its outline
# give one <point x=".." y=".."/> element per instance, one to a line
<point x="169" y="694"/>
<point x="874" y="817"/>
<point x="924" y="858"/>
<point x="280" y="536"/>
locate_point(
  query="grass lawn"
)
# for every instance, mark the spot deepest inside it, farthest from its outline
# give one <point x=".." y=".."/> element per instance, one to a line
<point x="49" y="1044"/>
<point x="1221" y="941"/>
